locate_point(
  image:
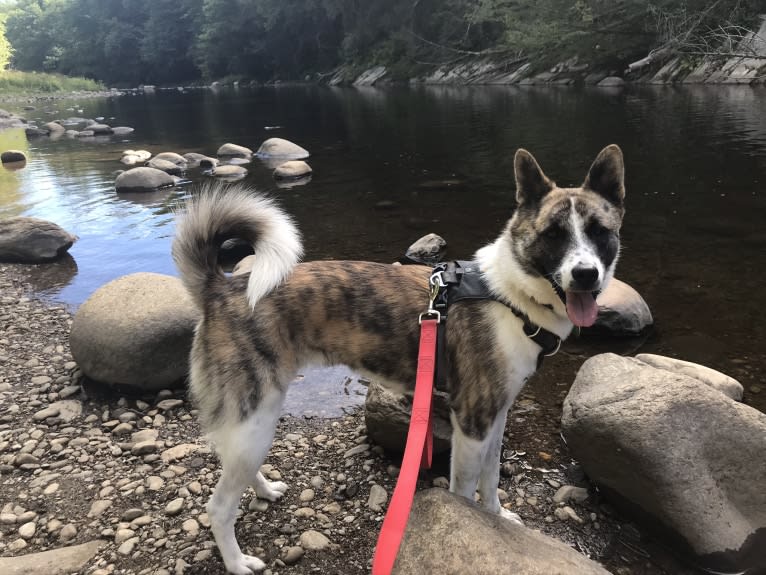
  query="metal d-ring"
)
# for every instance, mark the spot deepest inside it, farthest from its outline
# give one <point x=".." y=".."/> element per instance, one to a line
<point x="431" y="312"/>
<point x="555" y="351"/>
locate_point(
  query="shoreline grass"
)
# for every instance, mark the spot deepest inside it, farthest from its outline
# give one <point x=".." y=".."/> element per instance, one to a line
<point x="17" y="82"/>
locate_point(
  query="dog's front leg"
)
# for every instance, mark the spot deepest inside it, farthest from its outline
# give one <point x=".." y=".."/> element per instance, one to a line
<point x="467" y="455"/>
<point x="489" y="479"/>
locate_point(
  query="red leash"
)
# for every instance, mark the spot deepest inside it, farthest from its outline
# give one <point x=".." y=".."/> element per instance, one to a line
<point x="417" y="452"/>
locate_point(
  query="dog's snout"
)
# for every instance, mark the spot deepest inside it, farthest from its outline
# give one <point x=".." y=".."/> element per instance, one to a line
<point x="585" y="277"/>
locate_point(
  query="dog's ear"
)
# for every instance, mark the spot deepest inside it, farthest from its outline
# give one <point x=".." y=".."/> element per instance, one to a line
<point x="531" y="183"/>
<point x="607" y="175"/>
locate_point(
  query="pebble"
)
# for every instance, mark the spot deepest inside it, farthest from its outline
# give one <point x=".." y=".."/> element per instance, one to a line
<point x="570" y="493"/>
<point x="167" y="404"/>
<point x="441" y="482"/>
<point x="99" y="506"/>
<point x="174" y="507"/>
<point x="291" y="555"/>
<point x="128" y="546"/>
<point x="306" y="495"/>
<point x="191" y="527"/>
<point x="314" y="540"/>
<point x="378" y="497"/>
<point x="123" y="535"/>
<point x="68" y="532"/>
<point x="27" y="531"/>
<point x="564" y="513"/>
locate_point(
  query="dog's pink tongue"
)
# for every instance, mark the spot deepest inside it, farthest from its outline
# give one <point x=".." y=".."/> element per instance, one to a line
<point x="581" y="308"/>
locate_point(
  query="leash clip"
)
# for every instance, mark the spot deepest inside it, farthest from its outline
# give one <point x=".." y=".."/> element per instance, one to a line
<point x="435" y="282"/>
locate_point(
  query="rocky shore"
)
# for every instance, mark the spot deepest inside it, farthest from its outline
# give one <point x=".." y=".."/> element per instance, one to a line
<point x="118" y="484"/>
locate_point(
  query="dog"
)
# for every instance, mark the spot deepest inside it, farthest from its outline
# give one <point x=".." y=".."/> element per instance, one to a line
<point x="556" y="253"/>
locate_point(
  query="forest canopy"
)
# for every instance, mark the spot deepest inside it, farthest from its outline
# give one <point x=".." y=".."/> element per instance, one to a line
<point x="128" y="42"/>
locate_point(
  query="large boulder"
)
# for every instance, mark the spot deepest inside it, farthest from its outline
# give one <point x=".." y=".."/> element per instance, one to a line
<point x="136" y="331"/>
<point x="621" y="312"/>
<point x="280" y="148"/>
<point x="61" y="561"/>
<point x="387" y="416"/>
<point x="32" y="240"/>
<point x="677" y="452"/>
<point x="715" y="379"/>
<point x="449" y="535"/>
<point x="143" y="179"/>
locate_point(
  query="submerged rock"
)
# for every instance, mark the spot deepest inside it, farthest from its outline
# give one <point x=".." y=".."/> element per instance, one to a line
<point x="292" y="169"/>
<point x="32" y="240"/>
<point x="234" y="150"/>
<point x="143" y="179"/>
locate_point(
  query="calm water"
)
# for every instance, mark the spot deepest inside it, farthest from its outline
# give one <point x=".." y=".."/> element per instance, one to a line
<point x="393" y="164"/>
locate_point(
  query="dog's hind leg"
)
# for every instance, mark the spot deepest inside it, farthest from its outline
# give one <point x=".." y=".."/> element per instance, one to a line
<point x="242" y="448"/>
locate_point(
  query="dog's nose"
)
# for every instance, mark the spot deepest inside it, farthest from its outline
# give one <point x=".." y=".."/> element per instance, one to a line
<point x="585" y="277"/>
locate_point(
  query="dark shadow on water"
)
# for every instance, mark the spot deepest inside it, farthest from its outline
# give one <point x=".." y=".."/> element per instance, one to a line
<point x="49" y="278"/>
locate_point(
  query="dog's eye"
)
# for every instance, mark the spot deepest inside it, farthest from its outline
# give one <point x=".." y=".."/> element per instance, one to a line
<point x="598" y="231"/>
<point x="553" y="233"/>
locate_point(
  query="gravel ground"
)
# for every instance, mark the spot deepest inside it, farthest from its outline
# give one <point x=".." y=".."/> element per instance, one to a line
<point x="79" y="463"/>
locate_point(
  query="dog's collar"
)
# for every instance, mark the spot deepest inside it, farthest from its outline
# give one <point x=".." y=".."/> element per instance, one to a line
<point x="462" y="280"/>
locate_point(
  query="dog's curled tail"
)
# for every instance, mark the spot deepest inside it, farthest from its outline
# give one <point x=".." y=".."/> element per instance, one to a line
<point x="219" y="213"/>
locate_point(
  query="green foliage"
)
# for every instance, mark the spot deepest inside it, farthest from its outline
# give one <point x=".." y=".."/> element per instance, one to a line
<point x="12" y="81"/>
<point x="127" y="42"/>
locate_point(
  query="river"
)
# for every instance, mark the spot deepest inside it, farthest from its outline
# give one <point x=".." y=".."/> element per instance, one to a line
<point x="392" y="164"/>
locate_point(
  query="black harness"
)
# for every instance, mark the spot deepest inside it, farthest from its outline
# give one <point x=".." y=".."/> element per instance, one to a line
<point x="462" y="280"/>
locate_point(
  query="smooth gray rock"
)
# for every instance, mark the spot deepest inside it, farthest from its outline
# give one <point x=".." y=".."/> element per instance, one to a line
<point x="143" y="179"/>
<point x="621" y="312"/>
<point x="166" y="166"/>
<point x="54" y="128"/>
<point x="680" y="451"/>
<point x="137" y="331"/>
<point x="173" y="158"/>
<point x="32" y="240"/>
<point x="428" y="249"/>
<point x="100" y="129"/>
<point x="715" y="379"/>
<point x="281" y="148"/>
<point x="387" y="416"/>
<point x="122" y="130"/>
<point x="234" y="150"/>
<point x="194" y="160"/>
<point x="62" y="561"/>
<point x="292" y="169"/>
<point x="611" y="82"/>
<point x="12" y="156"/>
<point x="449" y="535"/>
<point x="229" y="171"/>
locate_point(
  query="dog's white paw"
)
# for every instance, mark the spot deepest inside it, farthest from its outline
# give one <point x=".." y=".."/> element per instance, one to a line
<point x="510" y="516"/>
<point x="272" y="491"/>
<point x="245" y="565"/>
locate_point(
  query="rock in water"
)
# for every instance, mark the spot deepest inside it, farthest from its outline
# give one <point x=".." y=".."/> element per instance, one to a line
<point x="32" y="240"/>
<point x="280" y="148"/>
<point x="143" y="179"/>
